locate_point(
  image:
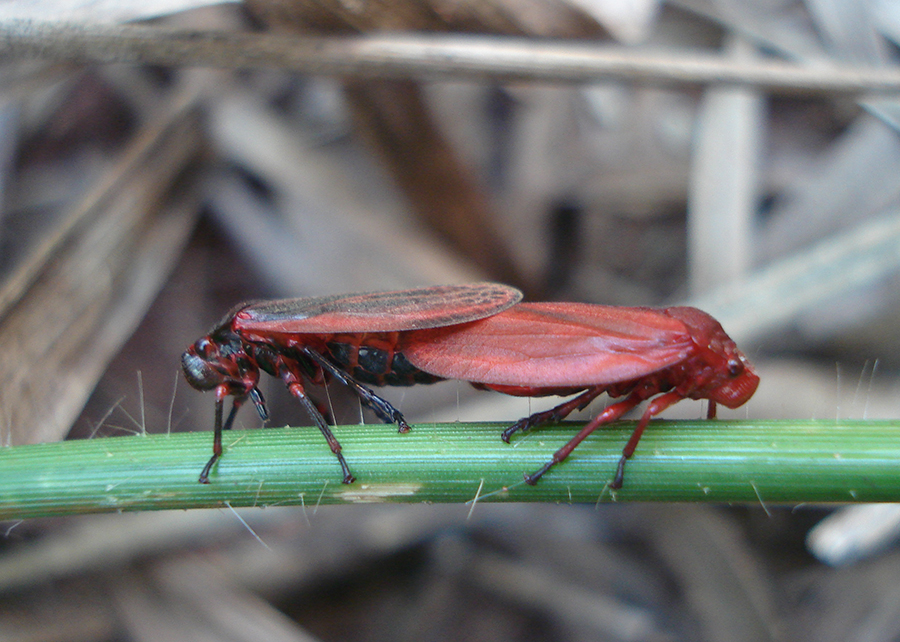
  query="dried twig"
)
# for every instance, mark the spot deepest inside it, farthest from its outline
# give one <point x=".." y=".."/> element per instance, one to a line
<point x="435" y="56"/>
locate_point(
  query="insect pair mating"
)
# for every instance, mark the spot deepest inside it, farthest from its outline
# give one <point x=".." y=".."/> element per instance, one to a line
<point x="480" y="333"/>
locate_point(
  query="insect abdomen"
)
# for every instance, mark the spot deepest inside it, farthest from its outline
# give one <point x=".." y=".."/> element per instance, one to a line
<point x="372" y="359"/>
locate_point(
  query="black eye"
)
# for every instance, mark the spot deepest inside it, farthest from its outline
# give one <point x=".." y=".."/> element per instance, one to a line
<point x="735" y="367"/>
<point x="205" y="348"/>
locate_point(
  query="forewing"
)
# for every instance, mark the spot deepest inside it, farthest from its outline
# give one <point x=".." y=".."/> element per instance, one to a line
<point x="430" y="307"/>
<point x="553" y="345"/>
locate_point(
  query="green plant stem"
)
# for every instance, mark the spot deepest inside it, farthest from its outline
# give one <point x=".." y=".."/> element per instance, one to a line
<point x="718" y="461"/>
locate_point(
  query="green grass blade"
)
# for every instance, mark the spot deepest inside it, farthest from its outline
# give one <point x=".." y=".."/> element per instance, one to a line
<point x="719" y="461"/>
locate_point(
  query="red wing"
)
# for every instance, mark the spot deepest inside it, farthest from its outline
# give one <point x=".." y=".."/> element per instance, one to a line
<point x="430" y="307"/>
<point x="553" y="345"/>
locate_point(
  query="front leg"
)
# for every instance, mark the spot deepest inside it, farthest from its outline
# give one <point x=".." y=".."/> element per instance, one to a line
<point x="609" y="415"/>
<point x="656" y="406"/>
<point x="221" y="393"/>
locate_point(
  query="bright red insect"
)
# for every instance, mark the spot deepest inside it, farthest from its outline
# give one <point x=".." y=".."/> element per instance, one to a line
<point x="539" y="349"/>
<point x="352" y="338"/>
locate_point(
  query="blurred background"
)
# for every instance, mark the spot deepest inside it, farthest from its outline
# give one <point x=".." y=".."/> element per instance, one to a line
<point x="140" y="203"/>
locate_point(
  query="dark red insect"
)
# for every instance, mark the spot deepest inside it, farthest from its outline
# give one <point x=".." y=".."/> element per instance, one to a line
<point x="352" y="338"/>
<point x="539" y="349"/>
<point x="474" y="333"/>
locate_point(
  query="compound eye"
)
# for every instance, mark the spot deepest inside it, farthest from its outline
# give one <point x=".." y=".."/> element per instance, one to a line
<point x="205" y="348"/>
<point x="735" y="367"/>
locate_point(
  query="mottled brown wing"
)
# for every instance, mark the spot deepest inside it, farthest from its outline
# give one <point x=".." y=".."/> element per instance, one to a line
<point x="430" y="307"/>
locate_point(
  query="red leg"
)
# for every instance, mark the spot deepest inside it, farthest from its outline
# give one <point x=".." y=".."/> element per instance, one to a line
<point x="656" y="406"/>
<point x="609" y="415"/>
<point x="558" y="413"/>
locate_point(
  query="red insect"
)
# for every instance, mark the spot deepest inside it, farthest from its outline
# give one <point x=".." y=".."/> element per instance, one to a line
<point x="478" y="334"/>
<point x="539" y="349"/>
<point x="352" y="338"/>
